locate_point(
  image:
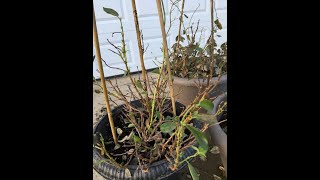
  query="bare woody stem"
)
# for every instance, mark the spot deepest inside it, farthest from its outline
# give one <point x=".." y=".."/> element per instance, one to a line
<point x="103" y="83"/>
<point x="144" y="76"/>
<point x="180" y="23"/>
<point x="166" y="54"/>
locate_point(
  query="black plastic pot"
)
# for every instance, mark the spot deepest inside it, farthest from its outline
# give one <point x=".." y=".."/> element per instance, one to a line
<point x="157" y="170"/>
<point x="218" y="136"/>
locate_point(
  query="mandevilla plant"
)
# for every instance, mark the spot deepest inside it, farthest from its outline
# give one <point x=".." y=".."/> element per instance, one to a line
<point x="148" y="127"/>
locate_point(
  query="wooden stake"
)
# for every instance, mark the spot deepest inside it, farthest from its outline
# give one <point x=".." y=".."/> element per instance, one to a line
<point x="166" y="54"/>
<point x="180" y="22"/>
<point x="103" y="83"/>
<point x="143" y="69"/>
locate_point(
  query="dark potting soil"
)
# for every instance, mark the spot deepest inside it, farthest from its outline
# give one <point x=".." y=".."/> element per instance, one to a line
<point x="120" y="122"/>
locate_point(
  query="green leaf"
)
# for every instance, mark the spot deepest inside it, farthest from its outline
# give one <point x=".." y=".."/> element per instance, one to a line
<point x="199" y="49"/>
<point x="193" y="172"/>
<point x="130" y="125"/>
<point x="139" y="85"/>
<point x="157" y="114"/>
<point x="184" y="32"/>
<point x="181" y="38"/>
<point x="156" y="71"/>
<point x="136" y="139"/>
<point x="217" y="22"/>
<point x="200" y="137"/>
<point x="206" y="104"/>
<point x="111" y="12"/>
<point x="167" y="127"/>
<point x="208" y="118"/>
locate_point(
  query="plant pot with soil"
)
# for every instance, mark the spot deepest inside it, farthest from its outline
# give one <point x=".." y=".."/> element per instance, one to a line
<point x="148" y="135"/>
<point x="125" y="158"/>
<point x="195" y="66"/>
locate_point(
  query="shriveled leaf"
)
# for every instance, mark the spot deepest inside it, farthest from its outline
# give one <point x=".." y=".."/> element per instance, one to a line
<point x="201" y="139"/>
<point x="130" y="151"/>
<point x="124" y="139"/>
<point x="218" y="24"/>
<point x="208" y="118"/>
<point x="193" y="172"/>
<point x="206" y="104"/>
<point x="167" y="127"/>
<point x="117" y="146"/>
<point x="127" y="173"/>
<point x="131" y="135"/>
<point x="181" y="38"/>
<point x="111" y="12"/>
<point x="215" y="150"/>
<point x="119" y="131"/>
<point x="216" y="177"/>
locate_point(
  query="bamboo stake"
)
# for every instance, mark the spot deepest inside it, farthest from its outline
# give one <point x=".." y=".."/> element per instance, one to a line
<point x="166" y="54"/>
<point x="180" y="22"/>
<point x="103" y="83"/>
<point x="143" y="69"/>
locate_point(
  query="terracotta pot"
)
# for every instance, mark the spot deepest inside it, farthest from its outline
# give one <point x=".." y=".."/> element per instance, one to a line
<point x="186" y="90"/>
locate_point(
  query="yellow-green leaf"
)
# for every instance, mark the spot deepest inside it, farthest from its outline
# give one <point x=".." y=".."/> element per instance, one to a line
<point x="193" y="172"/>
<point x="206" y="104"/>
<point x="167" y="127"/>
<point x="201" y="139"/>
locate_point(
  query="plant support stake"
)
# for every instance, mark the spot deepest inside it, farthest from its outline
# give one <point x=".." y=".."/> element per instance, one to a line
<point x="180" y="23"/>
<point x="143" y="69"/>
<point x="166" y="54"/>
<point x="103" y="83"/>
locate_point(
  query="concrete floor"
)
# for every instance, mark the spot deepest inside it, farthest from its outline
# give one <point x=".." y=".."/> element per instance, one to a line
<point x="208" y="170"/>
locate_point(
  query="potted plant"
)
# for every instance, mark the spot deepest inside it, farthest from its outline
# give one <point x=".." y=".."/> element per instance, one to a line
<point x="149" y="135"/>
<point x="194" y="66"/>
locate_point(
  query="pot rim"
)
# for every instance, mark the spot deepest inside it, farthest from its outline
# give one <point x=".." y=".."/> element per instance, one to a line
<point x="190" y="82"/>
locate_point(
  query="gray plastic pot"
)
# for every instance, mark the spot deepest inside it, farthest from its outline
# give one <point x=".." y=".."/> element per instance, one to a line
<point x="156" y="171"/>
<point x="186" y="90"/>
<point x="218" y="136"/>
